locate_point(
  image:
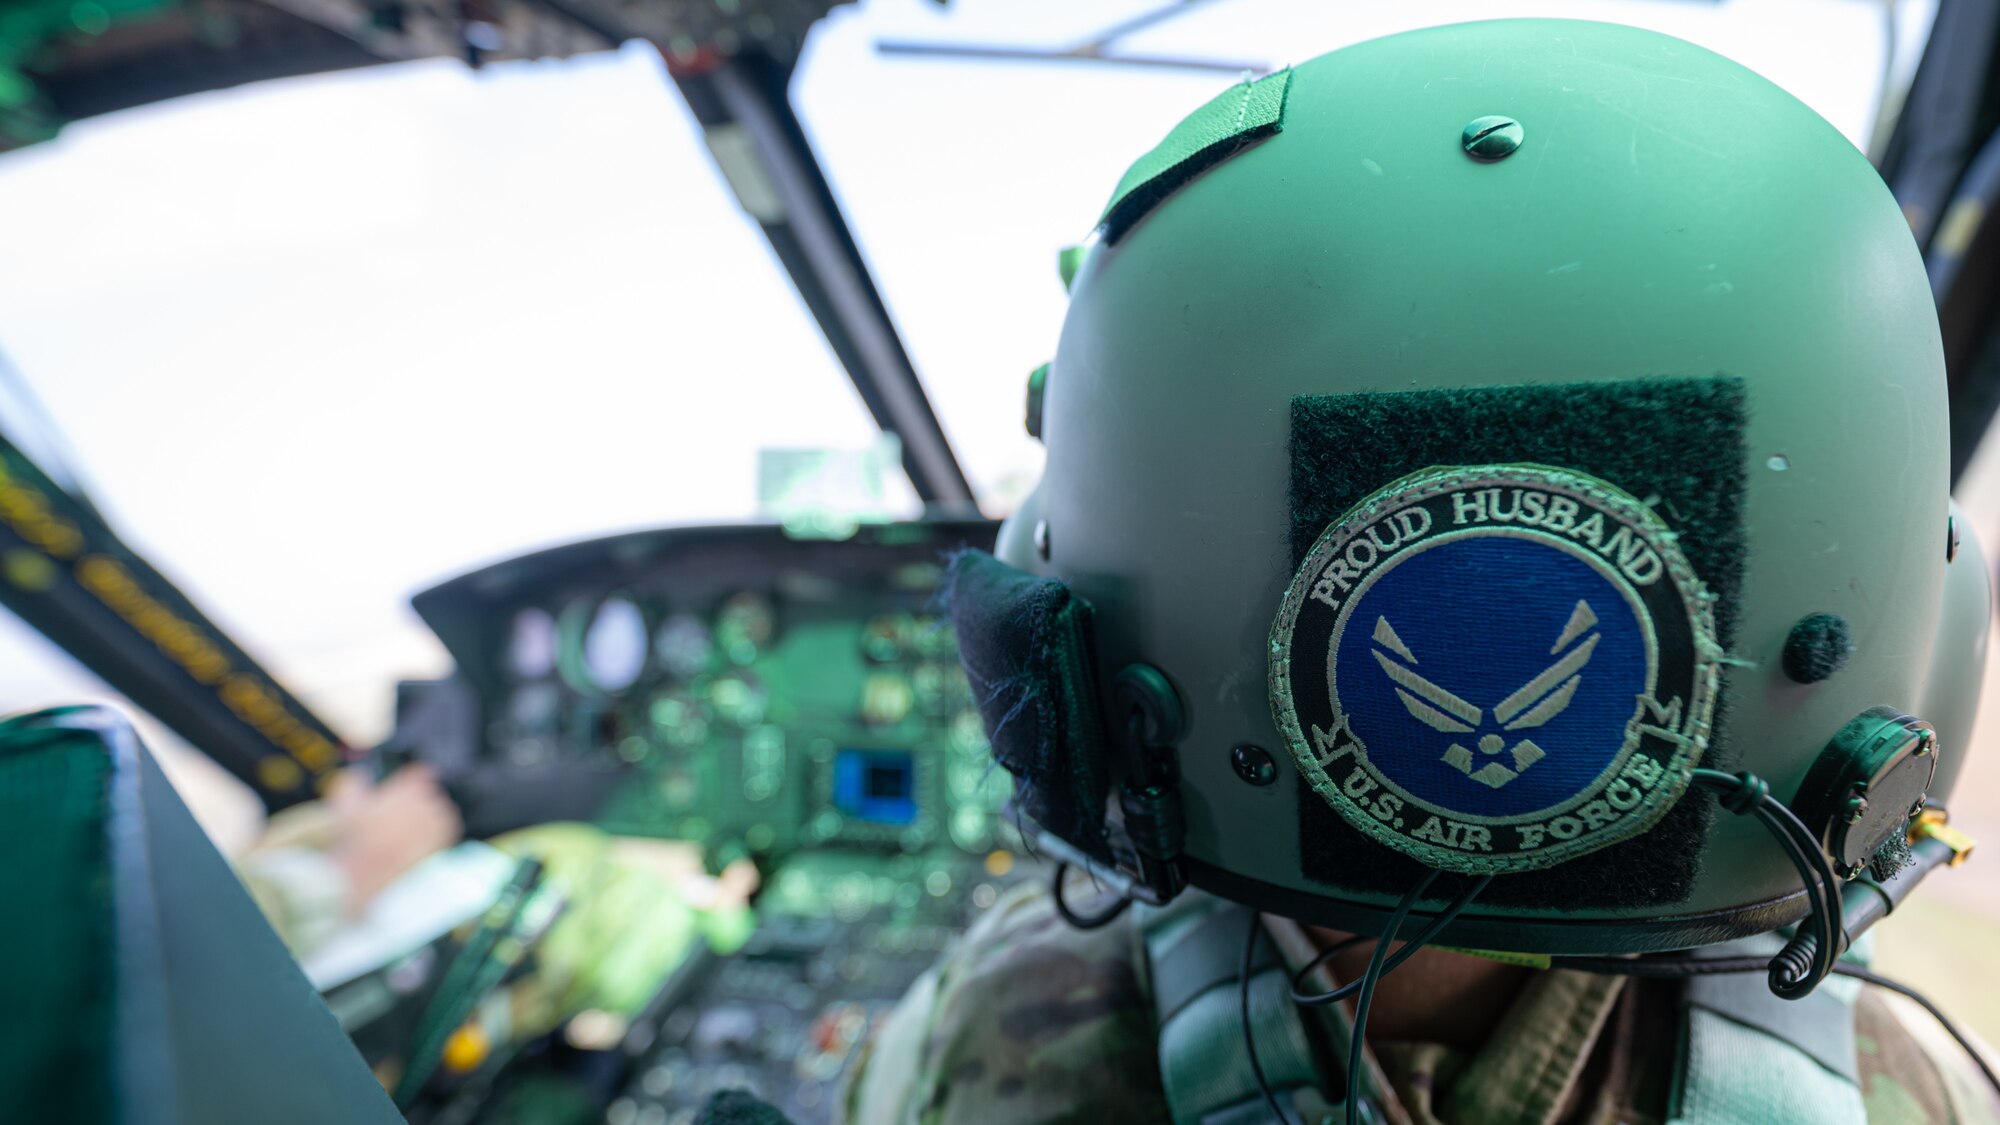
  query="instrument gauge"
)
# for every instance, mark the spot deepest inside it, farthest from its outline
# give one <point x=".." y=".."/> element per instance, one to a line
<point x="739" y="699"/>
<point x="744" y="626"/>
<point x="533" y="707"/>
<point x="685" y="646"/>
<point x="978" y="785"/>
<point x="968" y="734"/>
<point x="679" y="719"/>
<point x="531" y="645"/>
<point x="605" y="648"/>
<point x="934" y="639"/>
<point x="886" y="637"/>
<point x="941" y="688"/>
<point x="886" y="698"/>
<point x="965" y="779"/>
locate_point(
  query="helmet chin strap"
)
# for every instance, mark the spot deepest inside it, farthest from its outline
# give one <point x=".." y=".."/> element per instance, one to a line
<point x="1808" y="957"/>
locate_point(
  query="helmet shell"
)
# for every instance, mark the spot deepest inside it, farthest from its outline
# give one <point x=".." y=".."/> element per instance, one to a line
<point x="1668" y="213"/>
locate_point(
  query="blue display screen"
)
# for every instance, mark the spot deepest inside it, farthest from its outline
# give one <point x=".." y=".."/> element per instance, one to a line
<point x="875" y="785"/>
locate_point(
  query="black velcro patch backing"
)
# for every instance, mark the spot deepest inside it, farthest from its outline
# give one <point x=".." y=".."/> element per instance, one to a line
<point x="1675" y="443"/>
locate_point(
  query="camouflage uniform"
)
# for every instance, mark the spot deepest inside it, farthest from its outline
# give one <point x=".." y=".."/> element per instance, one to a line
<point x="1030" y="1020"/>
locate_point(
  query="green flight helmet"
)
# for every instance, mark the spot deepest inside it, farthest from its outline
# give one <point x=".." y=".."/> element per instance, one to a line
<point x="1455" y="441"/>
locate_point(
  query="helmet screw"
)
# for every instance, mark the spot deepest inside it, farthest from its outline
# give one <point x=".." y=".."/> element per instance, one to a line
<point x="1926" y="742"/>
<point x="1042" y="539"/>
<point x="1253" y="764"/>
<point x="1492" y="138"/>
<point x="1950" y="538"/>
<point x="1857" y="809"/>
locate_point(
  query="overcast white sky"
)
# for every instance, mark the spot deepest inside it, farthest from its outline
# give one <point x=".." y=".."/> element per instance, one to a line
<point x="318" y="343"/>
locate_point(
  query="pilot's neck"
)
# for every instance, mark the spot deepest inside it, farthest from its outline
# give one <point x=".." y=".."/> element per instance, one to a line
<point x="1434" y="997"/>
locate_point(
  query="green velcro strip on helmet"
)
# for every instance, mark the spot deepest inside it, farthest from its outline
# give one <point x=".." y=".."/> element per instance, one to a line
<point x="1675" y="447"/>
<point x="1232" y="121"/>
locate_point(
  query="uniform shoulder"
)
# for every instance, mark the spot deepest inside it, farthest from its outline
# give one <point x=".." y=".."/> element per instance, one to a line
<point x="1911" y="1071"/>
<point x="1024" y="1019"/>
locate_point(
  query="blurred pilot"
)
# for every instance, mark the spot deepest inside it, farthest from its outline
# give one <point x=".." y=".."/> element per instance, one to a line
<point x="317" y="866"/>
<point x="1496" y="483"/>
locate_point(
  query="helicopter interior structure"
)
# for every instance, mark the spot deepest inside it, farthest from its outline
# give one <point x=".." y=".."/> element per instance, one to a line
<point x="759" y="693"/>
<point x="794" y="702"/>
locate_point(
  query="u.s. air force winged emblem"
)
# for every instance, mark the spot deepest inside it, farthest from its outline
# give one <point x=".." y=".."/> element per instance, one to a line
<point x="1496" y="668"/>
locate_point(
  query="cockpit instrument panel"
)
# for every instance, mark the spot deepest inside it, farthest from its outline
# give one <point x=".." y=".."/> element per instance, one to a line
<point x="796" y="702"/>
<point x="733" y="686"/>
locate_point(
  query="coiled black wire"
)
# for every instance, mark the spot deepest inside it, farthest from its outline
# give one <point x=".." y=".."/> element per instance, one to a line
<point x="1809" y="956"/>
<point x="1083" y="921"/>
<point x="1814" y="950"/>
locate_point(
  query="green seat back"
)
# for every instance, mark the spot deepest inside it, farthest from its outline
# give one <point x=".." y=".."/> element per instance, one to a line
<point x="138" y="982"/>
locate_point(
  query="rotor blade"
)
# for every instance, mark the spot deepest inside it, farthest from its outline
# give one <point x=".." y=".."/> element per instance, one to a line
<point x="1071" y="55"/>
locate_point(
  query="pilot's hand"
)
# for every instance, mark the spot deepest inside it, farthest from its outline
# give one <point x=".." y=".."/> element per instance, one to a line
<point x="384" y="829"/>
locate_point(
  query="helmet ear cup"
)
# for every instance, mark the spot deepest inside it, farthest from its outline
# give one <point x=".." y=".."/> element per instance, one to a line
<point x="1026" y="644"/>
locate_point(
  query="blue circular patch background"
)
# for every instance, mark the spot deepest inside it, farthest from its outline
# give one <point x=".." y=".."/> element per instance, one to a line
<point x="1481" y="613"/>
